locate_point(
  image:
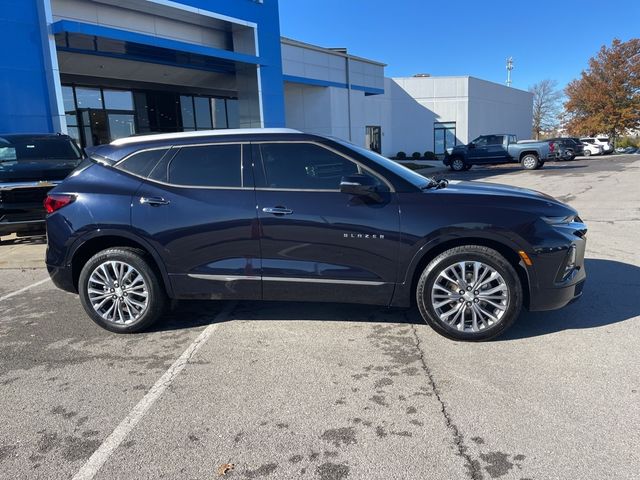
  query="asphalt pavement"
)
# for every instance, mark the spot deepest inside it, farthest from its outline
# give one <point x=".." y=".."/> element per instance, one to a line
<point x="327" y="391"/>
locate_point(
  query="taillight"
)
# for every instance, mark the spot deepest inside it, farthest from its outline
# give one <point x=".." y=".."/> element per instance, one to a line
<point x="56" y="202"/>
<point x="552" y="147"/>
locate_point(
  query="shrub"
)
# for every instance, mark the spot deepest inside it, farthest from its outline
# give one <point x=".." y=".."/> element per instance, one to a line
<point x="428" y="155"/>
<point x="401" y="156"/>
<point x="416" y="155"/>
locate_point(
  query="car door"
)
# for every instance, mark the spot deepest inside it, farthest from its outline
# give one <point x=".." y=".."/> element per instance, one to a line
<point x="317" y="243"/>
<point x="497" y="149"/>
<point x="477" y="151"/>
<point x="197" y="209"/>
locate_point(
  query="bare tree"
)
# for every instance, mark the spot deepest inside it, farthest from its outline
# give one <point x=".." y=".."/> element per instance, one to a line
<point x="546" y="106"/>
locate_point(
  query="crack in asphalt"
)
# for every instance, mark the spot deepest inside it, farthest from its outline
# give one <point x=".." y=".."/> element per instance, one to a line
<point x="473" y="466"/>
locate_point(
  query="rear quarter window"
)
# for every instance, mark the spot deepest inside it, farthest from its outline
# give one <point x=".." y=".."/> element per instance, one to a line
<point x="141" y="163"/>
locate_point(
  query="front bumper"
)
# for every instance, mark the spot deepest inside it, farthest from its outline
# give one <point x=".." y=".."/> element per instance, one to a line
<point x="553" y="286"/>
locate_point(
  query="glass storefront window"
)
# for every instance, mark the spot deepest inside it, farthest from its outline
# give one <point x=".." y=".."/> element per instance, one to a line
<point x="203" y="113"/>
<point x="67" y="98"/>
<point x="219" y="110"/>
<point x="121" y="125"/>
<point x="188" y="115"/>
<point x="89" y="97"/>
<point x="233" y="113"/>
<point x="118" y="100"/>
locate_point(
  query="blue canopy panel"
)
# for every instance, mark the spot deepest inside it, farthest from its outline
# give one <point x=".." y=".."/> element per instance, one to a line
<point x="78" y="37"/>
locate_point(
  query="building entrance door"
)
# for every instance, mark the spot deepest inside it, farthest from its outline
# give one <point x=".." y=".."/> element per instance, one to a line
<point x="373" y="139"/>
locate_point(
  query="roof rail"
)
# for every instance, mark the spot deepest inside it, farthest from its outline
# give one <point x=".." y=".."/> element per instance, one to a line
<point x="199" y="133"/>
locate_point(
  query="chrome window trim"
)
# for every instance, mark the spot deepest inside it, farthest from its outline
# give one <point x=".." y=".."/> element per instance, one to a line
<point x="233" y="278"/>
<point x="178" y="147"/>
<point x="326" y="147"/>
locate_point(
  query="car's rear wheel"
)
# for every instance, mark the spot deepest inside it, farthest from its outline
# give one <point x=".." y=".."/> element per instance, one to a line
<point x="469" y="293"/>
<point x="530" y="162"/>
<point x="587" y="152"/>
<point x="120" y="290"/>
<point x="570" y="155"/>
<point x="458" y="165"/>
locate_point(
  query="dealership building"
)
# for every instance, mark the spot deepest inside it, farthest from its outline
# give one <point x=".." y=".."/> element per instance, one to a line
<point x="104" y="69"/>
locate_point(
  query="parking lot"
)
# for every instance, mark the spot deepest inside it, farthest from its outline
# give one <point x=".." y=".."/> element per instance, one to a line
<point x="310" y="390"/>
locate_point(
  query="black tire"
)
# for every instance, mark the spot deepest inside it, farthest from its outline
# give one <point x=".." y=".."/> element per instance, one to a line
<point x="570" y="156"/>
<point x="458" y="164"/>
<point x="469" y="253"/>
<point x="587" y="152"/>
<point x="154" y="288"/>
<point x="540" y="165"/>
<point x="467" y="167"/>
<point x="530" y="162"/>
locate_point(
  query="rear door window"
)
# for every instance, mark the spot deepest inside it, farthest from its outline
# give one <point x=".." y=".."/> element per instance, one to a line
<point x="207" y="166"/>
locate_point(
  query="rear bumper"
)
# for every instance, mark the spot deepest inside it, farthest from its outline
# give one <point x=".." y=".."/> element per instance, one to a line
<point x="62" y="277"/>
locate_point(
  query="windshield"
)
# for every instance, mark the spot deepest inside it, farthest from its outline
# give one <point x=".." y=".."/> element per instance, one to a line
<point x="39" y="149"/>
<point x="409" y="175"/>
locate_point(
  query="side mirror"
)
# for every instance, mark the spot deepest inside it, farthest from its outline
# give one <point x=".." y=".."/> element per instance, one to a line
<point x="360" y="185"/>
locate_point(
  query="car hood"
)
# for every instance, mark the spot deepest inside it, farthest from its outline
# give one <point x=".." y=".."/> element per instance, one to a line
<point x="510" y="196"/>
<point x="35" y="170"/>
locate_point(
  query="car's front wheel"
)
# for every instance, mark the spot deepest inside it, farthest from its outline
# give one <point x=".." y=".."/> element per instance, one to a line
<point x="469" y="293"/>
<point x="120" y="290"/>
<point x="587" y="152"/>
<point x="458" y="165"/>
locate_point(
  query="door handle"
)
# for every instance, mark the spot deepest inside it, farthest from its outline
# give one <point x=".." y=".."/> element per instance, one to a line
<point x="154" y="201"/>
<point x="277" y="210"/>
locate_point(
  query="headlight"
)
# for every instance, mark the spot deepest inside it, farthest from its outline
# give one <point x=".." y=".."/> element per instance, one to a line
<point x="559" y="220"/>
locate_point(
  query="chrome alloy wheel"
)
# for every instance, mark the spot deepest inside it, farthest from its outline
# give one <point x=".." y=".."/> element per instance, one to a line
<point x="529" y="162"/>
<point x="118" y="292"/>
<point x="457" y="165"/>
<point x="470" y="296"/>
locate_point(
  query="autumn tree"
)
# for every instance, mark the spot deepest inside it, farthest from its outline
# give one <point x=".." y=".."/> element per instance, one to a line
<point x="546" y="106"/>
<point x="606" y="97"/>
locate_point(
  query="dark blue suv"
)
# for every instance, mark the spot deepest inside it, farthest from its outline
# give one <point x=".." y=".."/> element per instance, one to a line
<point x="281" y="215"/>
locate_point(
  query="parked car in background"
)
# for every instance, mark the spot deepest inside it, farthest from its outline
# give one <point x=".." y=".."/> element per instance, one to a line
<point x="276" y="214"/>
<point x="628" y="150"/>
<point x="591" y="147"/>
<point x="30" y="165"/>
<point x="501" y="148"/>
<point x="568" y="147"/>
<point x="601" y="141"/>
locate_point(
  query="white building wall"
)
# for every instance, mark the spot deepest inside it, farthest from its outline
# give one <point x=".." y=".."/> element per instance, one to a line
<point x="495" y="108"/>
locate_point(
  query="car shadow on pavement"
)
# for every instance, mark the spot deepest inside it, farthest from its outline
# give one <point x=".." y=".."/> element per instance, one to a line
<point x="610" y="296"/>
<point x="40" y="239"/>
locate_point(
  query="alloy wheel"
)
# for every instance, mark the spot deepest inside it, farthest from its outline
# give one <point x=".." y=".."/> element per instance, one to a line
<point x="118" y="292"/>
<point x="470" y="296"/>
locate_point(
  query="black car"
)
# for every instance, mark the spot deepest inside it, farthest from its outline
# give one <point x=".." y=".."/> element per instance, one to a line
<point x="569" y="147"/>
<point x="270" y="214"/>
<point x="30" y="165"/>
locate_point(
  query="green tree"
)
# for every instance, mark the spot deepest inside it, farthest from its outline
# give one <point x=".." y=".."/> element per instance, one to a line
<point x="606" y="97"/>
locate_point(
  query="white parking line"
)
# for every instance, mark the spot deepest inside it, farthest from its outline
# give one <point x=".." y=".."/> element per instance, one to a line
<point x="111" y="443"/>
<point x="18" y="292"/>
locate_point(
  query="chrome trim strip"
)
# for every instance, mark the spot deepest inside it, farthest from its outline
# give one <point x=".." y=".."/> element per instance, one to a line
<point x="233" y="278"/>
<point x="222" y="278"/>
<point x="12" y="185"/>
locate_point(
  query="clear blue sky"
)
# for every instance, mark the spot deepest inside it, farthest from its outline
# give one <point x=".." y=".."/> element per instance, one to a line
<point x="547" y="39"/>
